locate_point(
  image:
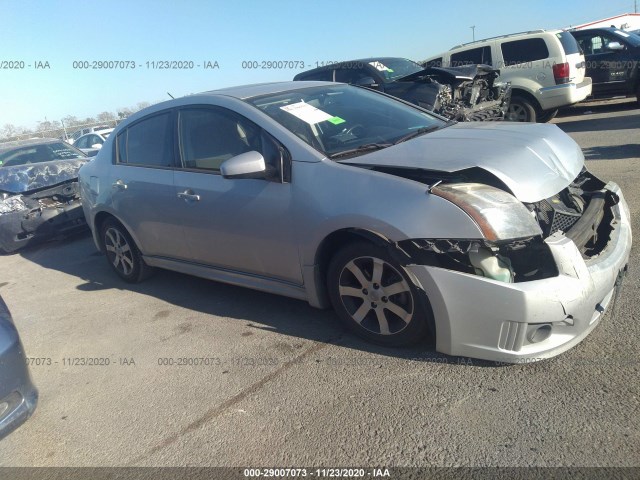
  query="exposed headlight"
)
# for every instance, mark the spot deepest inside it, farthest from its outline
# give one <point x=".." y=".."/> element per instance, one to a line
<point x="499" y="214"/>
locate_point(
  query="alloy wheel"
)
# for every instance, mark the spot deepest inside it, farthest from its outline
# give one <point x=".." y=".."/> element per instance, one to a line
<point x="376" y="295"/>
<point x="517" y="113"/>
<point x="119" y="251"/>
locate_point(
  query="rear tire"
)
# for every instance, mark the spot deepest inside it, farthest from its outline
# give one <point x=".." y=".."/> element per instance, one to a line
<point x="122" y="253"/>
<point x="375" y="298"/>
<point x="546" y="115"/>
<point x="521" y="110"/>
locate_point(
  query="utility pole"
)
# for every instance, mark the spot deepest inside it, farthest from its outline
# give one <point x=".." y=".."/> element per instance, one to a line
<point x="473" y="31"/>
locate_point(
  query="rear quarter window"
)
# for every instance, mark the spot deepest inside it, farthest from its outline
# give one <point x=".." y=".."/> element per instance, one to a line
<point x="524" y="51"/>
<point x="569" y="43"/>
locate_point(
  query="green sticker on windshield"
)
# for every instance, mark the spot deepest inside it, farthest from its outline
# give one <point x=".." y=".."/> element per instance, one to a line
<point x="336" y="120"/>
<point x="389" y="70"/>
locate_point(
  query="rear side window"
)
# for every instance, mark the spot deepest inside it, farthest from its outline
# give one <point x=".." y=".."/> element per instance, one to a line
<point x="148" y="142"/>
<point x="322" y="75"/>
<point x="523" y="51"/>
<point x="436" y="62"/>
<point x="351" y="75"/>
<point x="475" y="55"/>
<point x="568" y="42"/>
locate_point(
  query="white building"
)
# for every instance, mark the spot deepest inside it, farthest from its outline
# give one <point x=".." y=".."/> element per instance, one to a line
<point x="627" y="21"/>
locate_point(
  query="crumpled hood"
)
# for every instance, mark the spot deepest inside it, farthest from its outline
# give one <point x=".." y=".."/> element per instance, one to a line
<point x="535" y="161"/>
<point x="465" y="72"/>
<point x="35" y="176"/>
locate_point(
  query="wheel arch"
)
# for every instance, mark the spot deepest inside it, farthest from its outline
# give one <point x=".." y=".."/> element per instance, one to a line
<point x="98" y="221"/>
<point x="340" y="238"/>
<point x="519" y="92"/>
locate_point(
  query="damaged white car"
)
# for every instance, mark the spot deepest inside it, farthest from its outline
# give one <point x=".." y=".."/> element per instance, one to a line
<point x="39" y="194"/>
<point x="491" y="237"/>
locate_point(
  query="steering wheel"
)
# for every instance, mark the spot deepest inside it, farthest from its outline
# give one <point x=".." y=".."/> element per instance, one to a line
<point x="350" y="131"/>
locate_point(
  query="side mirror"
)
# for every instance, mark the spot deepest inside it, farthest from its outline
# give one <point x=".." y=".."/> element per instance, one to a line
<point x="615" y="46"/>
<point x="96" y="145"/>
<point x="92" y="153"/>
<point x="366" y="82"/>
<point x="246" y="165"/>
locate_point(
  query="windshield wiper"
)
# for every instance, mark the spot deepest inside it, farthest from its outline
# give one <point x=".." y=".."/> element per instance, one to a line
<point x="417" y="133"/>
<point x="367" y="147"/>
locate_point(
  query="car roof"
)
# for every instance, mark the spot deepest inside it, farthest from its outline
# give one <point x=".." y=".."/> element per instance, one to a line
<point x="7" y="146"/>
<point x="509" y="36"/>
<point x="243" y="92"/>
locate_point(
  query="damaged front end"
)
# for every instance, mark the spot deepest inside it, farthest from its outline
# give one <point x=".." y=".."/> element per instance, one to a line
<point x="469" y="93"/>
<point x="42" y="212"/>
<point x="514" y="248"/>
<point x="527" y="297"/>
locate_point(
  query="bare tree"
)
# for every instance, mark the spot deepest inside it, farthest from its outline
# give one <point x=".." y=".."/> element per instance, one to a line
<point x="106" y="117"/>
<point x="9" y="130"/>
<point x="70" y="121"/>
<point x="142" y="105"/>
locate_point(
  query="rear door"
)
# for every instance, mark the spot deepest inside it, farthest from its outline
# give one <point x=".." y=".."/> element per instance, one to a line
<point x="142" y="190"/>
<point x="527" y="58"/>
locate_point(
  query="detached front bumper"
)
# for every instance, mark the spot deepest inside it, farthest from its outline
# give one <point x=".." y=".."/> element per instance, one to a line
<point x="19" y="229"/>
<point x="528" y="321"/>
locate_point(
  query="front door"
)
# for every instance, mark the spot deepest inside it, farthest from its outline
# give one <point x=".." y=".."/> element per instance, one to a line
<point x="243" y="225"/>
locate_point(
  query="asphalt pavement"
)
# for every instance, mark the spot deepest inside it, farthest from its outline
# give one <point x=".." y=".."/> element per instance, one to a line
<point x="182" y="371"/>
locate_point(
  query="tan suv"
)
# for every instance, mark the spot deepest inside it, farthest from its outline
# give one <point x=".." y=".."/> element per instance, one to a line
<point x="546" y="69"/>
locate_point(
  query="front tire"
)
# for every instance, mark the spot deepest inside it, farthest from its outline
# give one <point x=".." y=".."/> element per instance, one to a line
<point x="375" y="298"/>
<point x="122" y="253"/>
<point x="521" y="110"/>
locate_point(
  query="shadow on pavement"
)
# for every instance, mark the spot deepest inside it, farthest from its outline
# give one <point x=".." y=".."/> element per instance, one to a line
<point x="612" y="152"/>
<point x="78" y="257"/>
<point x="628" y="122"/>
<point x="586" y="108"/>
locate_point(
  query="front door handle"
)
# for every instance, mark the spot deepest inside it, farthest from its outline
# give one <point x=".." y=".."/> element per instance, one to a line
<point x="189" y="196"/>
<point x="119" y="184"/>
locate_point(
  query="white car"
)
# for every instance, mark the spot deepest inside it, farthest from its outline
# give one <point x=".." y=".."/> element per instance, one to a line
<point x="546" y="70"/>
<point x="91" y="143"/>
<point x="83" y="131"/>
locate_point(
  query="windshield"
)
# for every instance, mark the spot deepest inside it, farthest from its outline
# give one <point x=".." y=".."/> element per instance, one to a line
<point x="341" y="118"/>
<point x="39" y="153"/>
<point x="393" y="68"/>
<point x="629" y="37"/>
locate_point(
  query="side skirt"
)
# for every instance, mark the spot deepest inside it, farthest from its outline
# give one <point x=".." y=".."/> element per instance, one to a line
<point x="256" y="282"/>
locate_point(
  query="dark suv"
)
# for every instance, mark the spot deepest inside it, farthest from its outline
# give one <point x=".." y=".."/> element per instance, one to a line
<point x="612" y="58"/>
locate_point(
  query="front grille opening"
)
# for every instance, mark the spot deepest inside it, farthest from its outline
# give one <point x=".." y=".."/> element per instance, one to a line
<point x="582" y="211"/>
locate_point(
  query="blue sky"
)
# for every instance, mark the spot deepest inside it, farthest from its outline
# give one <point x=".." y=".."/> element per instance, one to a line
<point x="61" y="32"/>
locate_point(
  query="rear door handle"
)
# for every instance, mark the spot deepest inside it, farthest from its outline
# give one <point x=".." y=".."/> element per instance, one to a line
<point x="189" y="196"/>
<point x="119" y="184"/>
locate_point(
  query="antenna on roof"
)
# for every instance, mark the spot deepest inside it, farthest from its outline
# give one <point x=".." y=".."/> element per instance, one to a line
<point x="170" y="95"/>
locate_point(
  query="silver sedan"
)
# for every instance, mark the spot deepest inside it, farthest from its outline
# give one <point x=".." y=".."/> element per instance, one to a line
<point x="492" y="238"/>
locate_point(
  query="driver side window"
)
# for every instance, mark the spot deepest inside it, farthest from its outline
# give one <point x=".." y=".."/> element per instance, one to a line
<point x="211" y="135"/>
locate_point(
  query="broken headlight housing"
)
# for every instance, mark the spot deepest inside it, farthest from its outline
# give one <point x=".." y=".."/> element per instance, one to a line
<point x="498" y="214"/>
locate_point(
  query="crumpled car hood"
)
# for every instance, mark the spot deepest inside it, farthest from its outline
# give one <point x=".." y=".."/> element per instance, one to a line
<point x="35" y="176"/>
<point x="465" y="72"/>
<point x="535" y="161"/>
